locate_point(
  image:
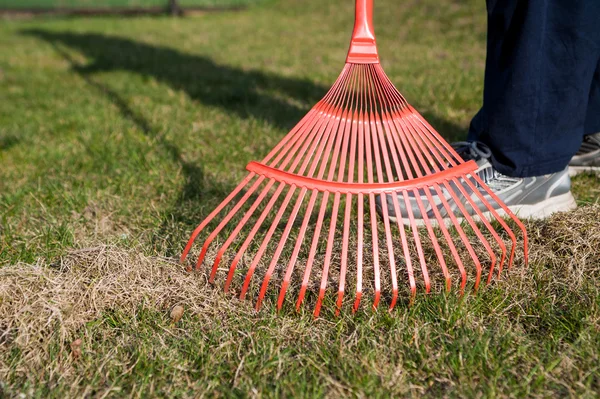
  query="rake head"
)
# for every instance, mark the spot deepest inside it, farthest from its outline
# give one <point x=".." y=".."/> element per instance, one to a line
<point x="361" y="192"/>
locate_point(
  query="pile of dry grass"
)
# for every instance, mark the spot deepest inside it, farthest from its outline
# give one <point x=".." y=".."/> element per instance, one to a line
<point x="569" y="244"/>
<point x="43" y="302"/>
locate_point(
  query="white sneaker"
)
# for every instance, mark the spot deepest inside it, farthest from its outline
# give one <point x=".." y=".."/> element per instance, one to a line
<point x="588" y="156"/>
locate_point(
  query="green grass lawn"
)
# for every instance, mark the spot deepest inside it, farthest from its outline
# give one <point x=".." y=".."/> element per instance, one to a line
<point x="118" y="3"/>
<point x="117" y="136"/>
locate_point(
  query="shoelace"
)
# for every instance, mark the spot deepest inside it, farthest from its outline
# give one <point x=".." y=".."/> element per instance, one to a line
<point x="472" y="150"/>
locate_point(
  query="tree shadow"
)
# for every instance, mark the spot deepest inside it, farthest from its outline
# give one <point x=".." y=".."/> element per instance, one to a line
<point x="246" y="93"/>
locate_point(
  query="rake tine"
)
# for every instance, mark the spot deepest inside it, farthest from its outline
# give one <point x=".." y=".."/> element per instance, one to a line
<point x="281" y="244"/>
<point x="292" y="218"/>
<point x="387" y="227"/>
<point x="320" y="131"/>
<point x="211" y="216"/>
<point x="488" y="191"/>
<point x="462" y="235"/>
<point x="417" y="239"/>
<point x="397" y="149"/>
<point x="344" y="259"/>
<point x="434" y="149"/>
<point x="332" y="94"/>
<point x="407" y="259"/>
<point x="395" y="136"/>
<point x="330" y="140"/>
<point x="265" y="242"/>
<point x="376" y="272"/>
<point x="313" y="250"/>
<point x="299" y="242"/>
<point x="500" y="220"/>
<point x="297" y="131"/>
<point x="334" y="213"/>
<point x="321" y="216"/>
<point x="290" y="138"/>
<point x="316" y="131"/>
<point x="452" y="157"/>
<point x="252" y="234"/>
<point x="321" y="126"/>
<point x="514" y="218"/>
<point x="434" y="241"/>
<point x="390" y="249"/>
<point x="419" y="248"/>
<point x="432" y="236"/>
<point x="327" y="140"/>
<point x="313" y="138"/>
<point x="375" y="130"/>
<point x="473" y="225"/>
<point x="341" y="144"/>
<point x="360" y="214"/>
<point x="350" y="178"/>
<point x="449" y="211"/>
<point x="359" y="125"/>
<point x="237" y="229"/>
<point x="401" y="227"/>
<point x="417" y="137"/>
<point x="483" y="219"/>
<point x="307" y="142"/>
<point x="349" y="129"/>
<point x="374" y="232"/>
<point x="226" y="220"/>
<point x="420" y="141"/>
<point x="359" y="253"/>
<point x="325" y="272"/>
<point x="321" y="108"/>
<point x="448" y="238"/>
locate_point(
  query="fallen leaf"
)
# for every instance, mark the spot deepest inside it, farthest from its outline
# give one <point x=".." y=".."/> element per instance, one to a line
<point x="176" y="313"/>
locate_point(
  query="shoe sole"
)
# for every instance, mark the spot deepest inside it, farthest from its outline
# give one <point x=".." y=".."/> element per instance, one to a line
<point x="541" y="210"/>
<point x="575" y="170"/>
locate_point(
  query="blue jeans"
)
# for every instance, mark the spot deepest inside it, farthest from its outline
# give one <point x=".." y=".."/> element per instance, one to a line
<point x="542" y="83"/>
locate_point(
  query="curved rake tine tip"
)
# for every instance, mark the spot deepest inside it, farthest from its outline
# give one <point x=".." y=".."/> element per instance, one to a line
<point x="357" y="302"/>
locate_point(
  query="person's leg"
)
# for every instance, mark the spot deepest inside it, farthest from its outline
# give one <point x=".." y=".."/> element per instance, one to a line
<point x="541" y="60"/>
<point x="592" y="118"/>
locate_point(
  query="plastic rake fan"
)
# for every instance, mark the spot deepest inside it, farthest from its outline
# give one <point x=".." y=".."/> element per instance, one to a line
<point x="307" y="215"/>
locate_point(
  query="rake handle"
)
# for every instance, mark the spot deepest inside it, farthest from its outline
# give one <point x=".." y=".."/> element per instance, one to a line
<point x="363" y="48"/>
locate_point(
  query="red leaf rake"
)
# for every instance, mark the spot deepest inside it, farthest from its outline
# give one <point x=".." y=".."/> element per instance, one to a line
<point x="360" y="151"/>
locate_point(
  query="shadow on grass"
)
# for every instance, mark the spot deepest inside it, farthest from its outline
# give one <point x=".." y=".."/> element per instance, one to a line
<point x="8" y="141"/>
<point x="121" y="11"/>
<point x="242" y="92"/>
